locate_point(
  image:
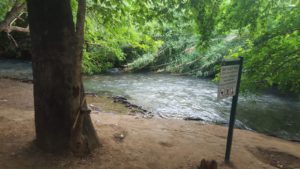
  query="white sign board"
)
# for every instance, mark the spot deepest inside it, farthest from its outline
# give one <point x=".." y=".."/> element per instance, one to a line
<point x="228" y="81"/>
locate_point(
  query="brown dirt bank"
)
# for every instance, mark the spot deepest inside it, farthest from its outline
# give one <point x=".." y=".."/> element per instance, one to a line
<point x="132" y="142"/>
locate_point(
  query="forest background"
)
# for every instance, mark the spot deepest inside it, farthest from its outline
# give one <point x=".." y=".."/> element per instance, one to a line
<point x="189" y="37"/>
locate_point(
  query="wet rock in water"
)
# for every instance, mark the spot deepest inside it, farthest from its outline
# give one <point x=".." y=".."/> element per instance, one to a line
<point x="238" y="124"/>
<point x="113" y="71"/>
<point x="120" y="99"/>
<point x="193" y="119"/>
<point x="148" y="116"/>
<point x="208" y="164"/>
<point x="221" y="123"/>
<point x="135" y="109"/>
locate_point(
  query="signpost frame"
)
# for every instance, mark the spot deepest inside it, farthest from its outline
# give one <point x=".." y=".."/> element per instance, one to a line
<point x="233" y="105"/>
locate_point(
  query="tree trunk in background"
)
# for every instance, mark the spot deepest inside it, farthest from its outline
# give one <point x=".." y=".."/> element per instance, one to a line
<point x="61" y="116"/>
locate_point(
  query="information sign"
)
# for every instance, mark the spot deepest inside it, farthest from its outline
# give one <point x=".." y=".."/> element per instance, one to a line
<point x="228" y="81"/>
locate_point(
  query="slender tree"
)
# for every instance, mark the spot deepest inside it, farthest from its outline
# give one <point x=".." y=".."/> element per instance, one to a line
<point x="62" y="118"/>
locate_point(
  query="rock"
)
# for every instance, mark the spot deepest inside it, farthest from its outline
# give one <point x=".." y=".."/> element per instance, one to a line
<point x="193" y="119"/>
<point x="113" y="71"/>
<point x="133" y="108"/>
<point x="119" y="137"/>
<point x="120" y="99"/>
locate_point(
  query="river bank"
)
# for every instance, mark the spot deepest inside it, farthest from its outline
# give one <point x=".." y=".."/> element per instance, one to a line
<point x="131" y="141"/>
<point x="183" y="97"/>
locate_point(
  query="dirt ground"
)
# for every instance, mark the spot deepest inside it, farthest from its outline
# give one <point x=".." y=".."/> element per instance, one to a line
<point x="133" y="142"/>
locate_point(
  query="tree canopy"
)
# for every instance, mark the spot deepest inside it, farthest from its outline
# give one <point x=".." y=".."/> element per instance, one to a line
<point x="192" y="36"/>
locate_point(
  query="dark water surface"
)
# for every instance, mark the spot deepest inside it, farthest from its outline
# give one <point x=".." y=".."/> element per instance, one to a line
<point x="15" y="69"/>
<point x="172" y="96"/>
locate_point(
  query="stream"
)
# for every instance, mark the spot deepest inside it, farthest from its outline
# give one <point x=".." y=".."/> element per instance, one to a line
<point x="172" y="96"/>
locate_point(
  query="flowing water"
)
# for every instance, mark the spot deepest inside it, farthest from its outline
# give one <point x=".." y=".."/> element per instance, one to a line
<point x="171" y="96"/>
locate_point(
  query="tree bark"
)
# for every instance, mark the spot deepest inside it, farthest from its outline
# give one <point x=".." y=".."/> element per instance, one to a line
<point x="62" y="119"/>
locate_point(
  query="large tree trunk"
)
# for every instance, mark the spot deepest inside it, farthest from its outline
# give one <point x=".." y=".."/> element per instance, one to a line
<point x="61" y="116"/>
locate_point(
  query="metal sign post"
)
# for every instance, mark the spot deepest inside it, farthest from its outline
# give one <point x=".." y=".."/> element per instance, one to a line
<point x="231" y="72"/>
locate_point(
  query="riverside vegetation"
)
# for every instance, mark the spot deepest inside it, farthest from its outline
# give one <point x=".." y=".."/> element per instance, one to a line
<point x="189" y="37"/>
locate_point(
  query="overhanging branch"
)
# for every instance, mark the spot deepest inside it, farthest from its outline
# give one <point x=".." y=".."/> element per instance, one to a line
<point x="19" y="29"/>
<point x="11" y="16"/>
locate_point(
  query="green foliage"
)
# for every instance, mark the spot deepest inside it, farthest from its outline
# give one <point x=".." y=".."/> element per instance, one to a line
<point x="177" y="34"/>
<point x="272" y="50"/>
<point x="264" y="32"/>
<point x="5" y="5"/>
<point x="193" y="36"/>
<point x="95" y="62"/>
<point x="206" y="12"/>
<point x="112" y="27"/>
<point x="141" y="63"/>
<point x="204" y="63"/>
